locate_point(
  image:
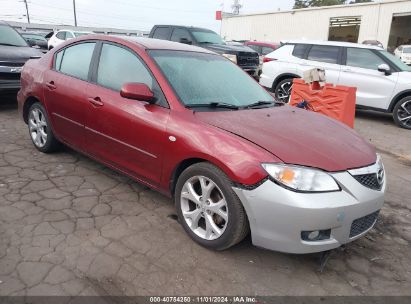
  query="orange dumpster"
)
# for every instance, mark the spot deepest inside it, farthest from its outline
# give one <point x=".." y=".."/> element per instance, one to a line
<point x="337" y="102"/>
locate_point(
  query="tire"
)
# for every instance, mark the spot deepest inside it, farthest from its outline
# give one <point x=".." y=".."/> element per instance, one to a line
<point x="40" y="130"/>
<point x="224" y="233"/>
<point x="282" y="90"/>
<point x="402" y="113"/>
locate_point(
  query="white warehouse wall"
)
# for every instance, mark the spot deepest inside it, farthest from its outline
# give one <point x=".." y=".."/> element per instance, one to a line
<point x="313" y="23"/>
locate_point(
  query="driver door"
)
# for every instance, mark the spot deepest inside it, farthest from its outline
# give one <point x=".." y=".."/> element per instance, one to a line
<point x="374" y="88"/>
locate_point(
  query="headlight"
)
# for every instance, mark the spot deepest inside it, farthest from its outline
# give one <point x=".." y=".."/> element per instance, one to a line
<point x="232" y="57"/>
<point x="301" y="178"/>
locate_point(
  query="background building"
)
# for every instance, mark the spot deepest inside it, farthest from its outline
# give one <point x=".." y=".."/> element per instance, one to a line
<point x="388" y="22"/>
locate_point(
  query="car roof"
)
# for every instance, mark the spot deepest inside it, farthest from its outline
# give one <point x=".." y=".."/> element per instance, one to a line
<point x="183" y="26"/>
<point x="406" y="45"/>
<point x="149" y="43"/>
<point x="263" y="43"/>
<point x="333" y="43"/>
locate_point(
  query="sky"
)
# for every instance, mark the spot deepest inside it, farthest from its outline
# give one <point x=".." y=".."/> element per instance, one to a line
<point x="132" y="14"/>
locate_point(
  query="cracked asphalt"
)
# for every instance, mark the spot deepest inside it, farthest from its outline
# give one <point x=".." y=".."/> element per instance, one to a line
<point x="70" y="226"/>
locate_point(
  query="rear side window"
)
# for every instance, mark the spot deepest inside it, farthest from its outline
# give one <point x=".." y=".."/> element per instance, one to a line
<point x="299" y="50"/>
<point x="61" y="35"/>
<point x="162" y="33"/>
<point x="363" y="58"/>
<point x="75" y="60"/>
<point x="180" y="35"/>
<point x="118" y="66"/>
<point x="324" y="53"/>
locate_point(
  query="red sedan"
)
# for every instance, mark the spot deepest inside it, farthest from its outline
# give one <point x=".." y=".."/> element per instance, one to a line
<point x="191" y="124"/>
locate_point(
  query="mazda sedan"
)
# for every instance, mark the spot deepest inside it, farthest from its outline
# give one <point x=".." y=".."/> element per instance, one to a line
<point x="191" y="124"/>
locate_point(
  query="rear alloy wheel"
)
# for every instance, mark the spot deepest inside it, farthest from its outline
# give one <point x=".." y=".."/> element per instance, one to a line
<point x="208" y="208"/>
<point x="283" y="90"/>
<point x="402" y="113"/>
<point x="40" y="130"/>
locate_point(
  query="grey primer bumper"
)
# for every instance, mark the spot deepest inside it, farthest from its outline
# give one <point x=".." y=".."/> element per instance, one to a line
<point x="278" y="216"/>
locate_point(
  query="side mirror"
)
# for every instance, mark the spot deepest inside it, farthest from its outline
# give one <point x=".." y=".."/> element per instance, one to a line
<point x="31" y="42"/>
<point x="137" y="91"/>
<point x="384" y="68"/>
<point x="185" y="41"/>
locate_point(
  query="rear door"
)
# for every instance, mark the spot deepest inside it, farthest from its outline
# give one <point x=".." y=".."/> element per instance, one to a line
<point x="129" y="134"/>
<point x="327" y="57"/>
<point x="162" y="32"/>
<point x="65" y="91"/>
<point x="374" y="88"/>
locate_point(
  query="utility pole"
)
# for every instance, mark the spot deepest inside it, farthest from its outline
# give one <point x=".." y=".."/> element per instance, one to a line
<point x="27" y="11"/>
<point x="74" y="10"/>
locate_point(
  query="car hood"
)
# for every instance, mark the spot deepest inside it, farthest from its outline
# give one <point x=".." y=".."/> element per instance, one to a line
<point x="17" y="53"/>
<point x="297" y="136"/>
<point x="225" y="48"/>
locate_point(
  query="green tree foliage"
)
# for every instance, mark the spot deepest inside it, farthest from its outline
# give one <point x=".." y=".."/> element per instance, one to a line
<point x="316" y="3"/>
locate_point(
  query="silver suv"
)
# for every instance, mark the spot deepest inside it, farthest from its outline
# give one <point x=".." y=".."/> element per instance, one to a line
<point x="383" y="82"/>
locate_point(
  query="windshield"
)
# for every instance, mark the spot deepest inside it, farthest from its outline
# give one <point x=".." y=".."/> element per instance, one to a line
<point x="78" y="34"/>
<point x="407" y="50"/>
<point x="8" y="36"/>
<point x="396" y="61"/>
<point x="207" y="37"/>
<point x="206" y="79"/>
<point x="34" y="37"/>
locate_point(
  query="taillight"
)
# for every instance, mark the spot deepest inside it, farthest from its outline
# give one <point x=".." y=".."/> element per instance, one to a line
<point x="266" y="59"/>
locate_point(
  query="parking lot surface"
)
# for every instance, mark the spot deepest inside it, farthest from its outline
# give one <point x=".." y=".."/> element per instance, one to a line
<point x="70" y="226"/>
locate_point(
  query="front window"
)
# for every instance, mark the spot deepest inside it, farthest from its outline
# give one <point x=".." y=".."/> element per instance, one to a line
<point x="396" y="61"/>
<point x="407" y="50"/>
<point x="363" y="58"/>
<point x="203" y="36"/>
<point x="205" y="79"/>
<point x="8" y="36"/>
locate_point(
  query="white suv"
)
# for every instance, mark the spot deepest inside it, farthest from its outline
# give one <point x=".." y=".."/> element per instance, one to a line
<point x="63" y="35"/>
<point x="404" y="53"/>
<point x="383" y="82"/>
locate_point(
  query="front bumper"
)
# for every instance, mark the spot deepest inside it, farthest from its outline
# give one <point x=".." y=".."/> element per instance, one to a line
<point x="278" y="216"/>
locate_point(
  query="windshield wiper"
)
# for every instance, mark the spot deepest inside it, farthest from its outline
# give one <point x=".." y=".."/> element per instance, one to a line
<point x="260" y="104"/>
<point x="8" y="44"/>
<point x="213" y="105"/>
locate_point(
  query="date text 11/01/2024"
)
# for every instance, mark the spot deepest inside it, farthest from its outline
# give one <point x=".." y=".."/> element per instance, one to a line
<point x="204" y="299"/>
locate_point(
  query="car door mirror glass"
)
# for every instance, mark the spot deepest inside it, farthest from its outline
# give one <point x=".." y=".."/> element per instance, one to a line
<point x="384" y="68"/>
<point x="137" y="91"/>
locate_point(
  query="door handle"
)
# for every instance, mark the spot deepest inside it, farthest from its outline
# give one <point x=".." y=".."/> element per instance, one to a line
<point x="96" y="101"/>
<point x="51" y="85"/>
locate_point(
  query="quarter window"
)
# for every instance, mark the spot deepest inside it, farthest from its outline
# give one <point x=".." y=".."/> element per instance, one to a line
<point x="75" y="60"/>
<point x="299" y="50"/>
<point x="363" y="58"/>
<point x="61" y="35"/>
<point x="324" y="53"/>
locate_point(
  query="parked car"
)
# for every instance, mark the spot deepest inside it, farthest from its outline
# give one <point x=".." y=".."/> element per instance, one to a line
<point x="63" y="35"/>
<point x="383" y="82"/>
<point x="374" y="43"/>
<point x="14" y="52"/>
<point x="191" y="124"/>
<point x="36" y="39"/>
<point x="247" y="59"/>
<point x="263" y="49"/>
<point x="404" y="53"/>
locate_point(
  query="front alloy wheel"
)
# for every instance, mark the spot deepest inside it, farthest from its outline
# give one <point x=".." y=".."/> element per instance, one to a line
<point x="208" y="208"/>
<point x="402" y="113"/>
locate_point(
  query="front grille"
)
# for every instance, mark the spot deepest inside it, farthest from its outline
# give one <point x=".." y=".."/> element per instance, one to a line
<point x="369" y="180"/>
<point x="364" y="223"/>
<point x="248" y="59"/>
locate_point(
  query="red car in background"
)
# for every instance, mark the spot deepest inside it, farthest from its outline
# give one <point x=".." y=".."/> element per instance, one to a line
<point x="193" y="125"/>
<point x="263" y="49"/>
